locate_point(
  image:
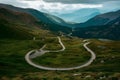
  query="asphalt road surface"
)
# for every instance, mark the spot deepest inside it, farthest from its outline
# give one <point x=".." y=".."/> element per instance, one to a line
<point x="34" y="54"/>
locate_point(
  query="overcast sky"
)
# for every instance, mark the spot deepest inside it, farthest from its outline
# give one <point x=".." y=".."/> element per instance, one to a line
<point x="62" y="6"/>
<point x="80" y="1"/>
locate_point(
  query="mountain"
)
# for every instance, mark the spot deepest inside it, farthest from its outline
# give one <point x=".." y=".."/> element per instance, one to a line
<point x="57" y="20"/>
<point x="19" y="21"/>
<point x="102" y="19"/>
<point x="85" y="18"/>
<point x="79" y="16"/>
<point x="109" y="30"/>
<point x="44" y="17"/>
<point x="19" y="25"/>
<point x="16" y="25"/>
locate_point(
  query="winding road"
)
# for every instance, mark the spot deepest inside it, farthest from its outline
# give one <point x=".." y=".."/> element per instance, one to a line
<point x="34" y="54"/>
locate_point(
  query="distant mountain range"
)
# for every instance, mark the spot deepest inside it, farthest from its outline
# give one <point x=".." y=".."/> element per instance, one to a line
<point x="21" y="22"/>
<point x="102" y="19"/>
<point x="79" y="16"/>
<point x="105" y="26"/>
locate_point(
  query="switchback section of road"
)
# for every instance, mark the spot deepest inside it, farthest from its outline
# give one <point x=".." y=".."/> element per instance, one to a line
<point x="33" y="54"/>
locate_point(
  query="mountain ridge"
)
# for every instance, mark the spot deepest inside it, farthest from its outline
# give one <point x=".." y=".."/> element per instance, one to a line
<point x="45" y="17"/>
<point x="107" y="31"/>
<point x="101" y="19"/>
<point x="100" y="26"/>
<point x="76" y="15"/>
<point x="19" y="25"/>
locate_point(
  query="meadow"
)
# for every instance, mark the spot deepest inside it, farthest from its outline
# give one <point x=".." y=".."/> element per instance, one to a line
<point x="14" y="67"/>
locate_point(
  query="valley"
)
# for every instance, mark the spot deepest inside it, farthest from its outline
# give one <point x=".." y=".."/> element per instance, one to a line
<point x="31" y="50"/>
<point x="33" y="54"/>
<point x="12" y="60"/>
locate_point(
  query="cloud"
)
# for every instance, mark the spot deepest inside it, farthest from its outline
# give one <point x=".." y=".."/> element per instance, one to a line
<point x="57" y="6"/>
<point x="80" y="1"/>
<point x="49" y="6"/>
<point x="110" y="6"/>
<point x="15" y="3"/>
<point x="65" y="6"/>
<point x="77" y="1"/>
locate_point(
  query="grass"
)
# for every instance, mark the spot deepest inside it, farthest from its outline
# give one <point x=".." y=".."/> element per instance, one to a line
<point x="74" y="55"/>
<point x="108" y="56"/>
<point x="14" y="67"/>
<point x="12" y="54"/>
<point x="52" y="44"/>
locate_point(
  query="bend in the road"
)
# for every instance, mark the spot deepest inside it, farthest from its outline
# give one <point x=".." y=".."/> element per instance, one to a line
<point x="93" y="56"/>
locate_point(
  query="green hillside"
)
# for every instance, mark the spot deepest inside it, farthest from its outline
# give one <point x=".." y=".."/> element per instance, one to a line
<point x="17" y="25"/>
<point x="13" y="65"/>
<point x="50" y="22"/>
<point x="8" y="31"/>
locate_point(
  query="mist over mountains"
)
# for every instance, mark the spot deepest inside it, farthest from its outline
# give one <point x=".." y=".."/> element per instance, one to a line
<point x="79" y="16"/>
<point x="64" y="8"/>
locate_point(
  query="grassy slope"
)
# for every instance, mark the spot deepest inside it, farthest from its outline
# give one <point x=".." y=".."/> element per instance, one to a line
<point x="8" y="31"/>
<point x="108" y="56"/>
<point x="74" y="54"/>
<point x="12" y="54"/>
<point x="19" y="25"/>
<point x="13" y="65"/>
<point x="15" y="25"/>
